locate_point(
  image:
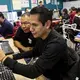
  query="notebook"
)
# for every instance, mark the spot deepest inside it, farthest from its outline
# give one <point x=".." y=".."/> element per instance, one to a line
<point x="4" y="45"/>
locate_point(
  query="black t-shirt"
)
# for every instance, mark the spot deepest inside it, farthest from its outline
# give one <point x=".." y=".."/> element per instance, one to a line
<point x="26" y="39"/>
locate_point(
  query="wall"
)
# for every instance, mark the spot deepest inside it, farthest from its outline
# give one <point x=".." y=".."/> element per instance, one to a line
<point x="8" y="3"/>
<point x="70" y="4"/>
<point x="53" y="5"/>
<point x="49" y="6"/>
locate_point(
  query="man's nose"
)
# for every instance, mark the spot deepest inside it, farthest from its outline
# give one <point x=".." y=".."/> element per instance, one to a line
<point x="31" y="28"/>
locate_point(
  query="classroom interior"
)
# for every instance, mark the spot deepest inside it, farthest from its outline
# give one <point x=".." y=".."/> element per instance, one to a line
<point x="13" y="9"/>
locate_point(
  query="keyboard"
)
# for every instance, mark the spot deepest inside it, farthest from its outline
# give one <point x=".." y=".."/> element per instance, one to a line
<point x="6" y="73"/>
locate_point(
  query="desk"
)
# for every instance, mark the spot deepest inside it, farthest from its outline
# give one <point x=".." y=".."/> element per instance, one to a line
<point x="17" y="76"/>
<point x="20" y="77"/>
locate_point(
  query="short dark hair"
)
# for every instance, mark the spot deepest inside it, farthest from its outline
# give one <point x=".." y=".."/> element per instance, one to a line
<point x="73" y="8"/>
<point x="1" y="15"/>
<point x="40" y="1"/>
<point x="65" y="10"/>
<point x="44" y="14"/>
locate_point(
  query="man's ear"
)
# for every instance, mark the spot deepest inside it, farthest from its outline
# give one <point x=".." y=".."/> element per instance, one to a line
<point x="48" y="24"/>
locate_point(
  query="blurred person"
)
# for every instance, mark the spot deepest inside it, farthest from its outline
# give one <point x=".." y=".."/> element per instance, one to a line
<point x="73" y="34"/>
<point x="27" y="11"/>
<point x="77" y="18"/>
<point x="54" y="61"/>
<point x="40" y="4"/>
<point x="65" y="15"/>
<point x="72" y="14"/>
<point x="6" y="27"/>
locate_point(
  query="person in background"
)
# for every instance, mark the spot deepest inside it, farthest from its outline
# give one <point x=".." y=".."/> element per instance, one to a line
<point x="40" y="4"/>
<point x="77" y="18"/>
<point x="74" y="33"/>
<point x="54" y="61"/>
<point x="6" y="27"/>
<point x="23" y="38"/>
<point x="65" y="15"/>
<point x="72" y="14"/>
<point x="27" y="11"/>
<point x="17" y="24"/>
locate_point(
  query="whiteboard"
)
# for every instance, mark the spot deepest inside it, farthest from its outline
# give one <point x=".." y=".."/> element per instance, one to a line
<point x="25" y="3"/>
<point x="70" y="4"/>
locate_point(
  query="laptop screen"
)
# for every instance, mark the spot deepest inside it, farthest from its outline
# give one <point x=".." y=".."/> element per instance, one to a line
<point x="4" y="45"/>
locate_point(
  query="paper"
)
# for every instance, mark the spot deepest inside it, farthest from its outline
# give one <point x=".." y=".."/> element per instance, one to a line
<point x="25" y="3"/>
<point x="16" y="4"/>
<point x="34" y="1"/>
<point x="42" y="1"/>
<point x="3" y="8"/>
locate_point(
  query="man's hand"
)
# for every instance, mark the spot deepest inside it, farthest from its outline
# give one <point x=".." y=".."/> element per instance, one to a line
<point x="2" y="55"/>
<point x="10" y="56"/>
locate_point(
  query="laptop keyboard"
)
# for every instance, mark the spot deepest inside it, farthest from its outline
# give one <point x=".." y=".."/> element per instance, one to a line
<point x="6" y="73"/>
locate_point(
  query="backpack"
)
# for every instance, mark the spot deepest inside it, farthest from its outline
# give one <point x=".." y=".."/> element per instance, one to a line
<point x="5" y="73"/>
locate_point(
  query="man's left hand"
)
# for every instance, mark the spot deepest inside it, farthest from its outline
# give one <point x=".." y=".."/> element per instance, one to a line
<point x="2" y="54"/>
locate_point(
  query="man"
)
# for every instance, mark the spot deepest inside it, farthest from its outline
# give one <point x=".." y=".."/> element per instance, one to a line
<point x="77" y="18"/>
<point x="6" y="27"/>
<point x="53" y="61"/>
<point x="27" y="11"/>
<point x="24" y="39"/>
<point x="40" y="4"/>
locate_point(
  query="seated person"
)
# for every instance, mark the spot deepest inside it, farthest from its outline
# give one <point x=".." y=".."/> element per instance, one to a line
<point x="77" y="18"/>
<point x="24" y="39"/>
<point x="40" y="4"/>
<point x="17" y="24"/>
<point x="55" y="61"/>
<point x="6" y="27"/>
<point x="27" y="11"/>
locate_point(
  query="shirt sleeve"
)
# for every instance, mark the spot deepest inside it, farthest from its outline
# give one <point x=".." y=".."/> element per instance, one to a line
<point x="27" y="54"/>
<point x="50" y="56"/>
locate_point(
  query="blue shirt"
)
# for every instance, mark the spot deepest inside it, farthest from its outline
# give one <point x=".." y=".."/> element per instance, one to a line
<point x="6" y="28"/>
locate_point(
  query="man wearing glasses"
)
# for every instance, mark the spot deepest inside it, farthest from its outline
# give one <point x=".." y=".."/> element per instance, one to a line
<point x="24" y="39"/>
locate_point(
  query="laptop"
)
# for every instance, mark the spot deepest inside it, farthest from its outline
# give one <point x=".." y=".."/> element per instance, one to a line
<point x="4" y="45"/>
